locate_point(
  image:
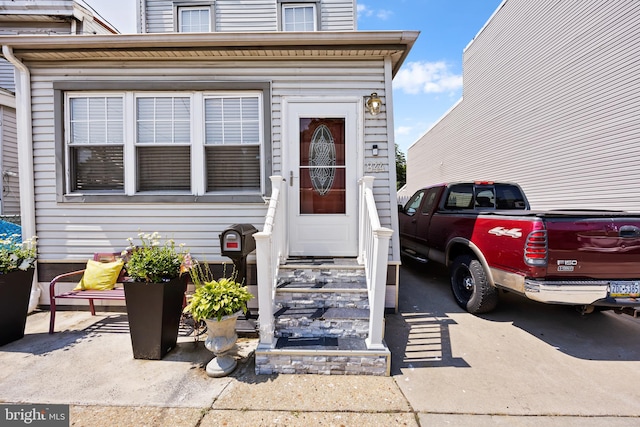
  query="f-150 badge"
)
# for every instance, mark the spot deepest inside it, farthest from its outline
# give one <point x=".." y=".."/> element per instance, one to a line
<point x="516" y="233"/>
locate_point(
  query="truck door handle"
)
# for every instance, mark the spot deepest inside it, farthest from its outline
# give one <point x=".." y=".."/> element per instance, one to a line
<point x="290" y="178"/>
<point x="629" y="231"/>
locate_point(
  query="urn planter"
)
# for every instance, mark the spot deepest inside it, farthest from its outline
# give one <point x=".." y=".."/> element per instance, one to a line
<point x="221" y="339"/>
<point x="15" y="290"/>
<point x="154" y="311"/>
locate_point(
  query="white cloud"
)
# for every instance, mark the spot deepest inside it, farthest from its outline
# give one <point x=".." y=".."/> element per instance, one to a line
<point x="365" y="11"/>
<point x="427" y="77"/>
<point x="384" y="14"/>
<point x="404" y="130"/>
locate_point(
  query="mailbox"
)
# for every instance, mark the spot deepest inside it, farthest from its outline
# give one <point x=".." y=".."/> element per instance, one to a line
<point x="237" y="241"/>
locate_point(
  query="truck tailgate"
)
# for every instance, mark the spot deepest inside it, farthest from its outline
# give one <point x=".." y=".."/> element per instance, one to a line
<point x="593" y="244"/>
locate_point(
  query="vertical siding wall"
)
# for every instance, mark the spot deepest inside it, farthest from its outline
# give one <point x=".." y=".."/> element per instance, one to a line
<point x="70" y="231"/>
<point x="9" y="156"/>
<point x="551" y="100"/>
<point x="250" y="15"/>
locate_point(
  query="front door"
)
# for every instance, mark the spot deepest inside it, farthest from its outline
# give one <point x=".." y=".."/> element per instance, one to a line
<point x="322" y="143"/>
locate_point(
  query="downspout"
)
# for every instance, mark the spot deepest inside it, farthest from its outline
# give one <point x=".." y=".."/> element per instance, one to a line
<point x="25" y="155"/>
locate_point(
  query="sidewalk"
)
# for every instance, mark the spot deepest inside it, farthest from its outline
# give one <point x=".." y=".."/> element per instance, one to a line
<point x="89" y="365"/>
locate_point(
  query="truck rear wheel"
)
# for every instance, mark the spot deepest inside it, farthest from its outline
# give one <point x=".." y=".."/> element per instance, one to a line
<point x="470" y="286"/>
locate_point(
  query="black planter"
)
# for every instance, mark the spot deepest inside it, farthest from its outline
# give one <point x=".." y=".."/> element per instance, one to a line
<point x="15" y="291"/>
<point x="154" y="312"/>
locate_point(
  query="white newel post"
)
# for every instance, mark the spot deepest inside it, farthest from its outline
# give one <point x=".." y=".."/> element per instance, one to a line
<point x="379" y="280"/>
<point x="265" y="279"/>
<point x="365" y="182"/>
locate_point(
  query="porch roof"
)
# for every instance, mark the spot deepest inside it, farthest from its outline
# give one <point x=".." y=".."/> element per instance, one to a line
<point x="218" y="46"/>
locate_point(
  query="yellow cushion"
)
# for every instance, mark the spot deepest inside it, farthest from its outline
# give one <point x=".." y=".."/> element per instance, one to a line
<point x="100" y="276"/>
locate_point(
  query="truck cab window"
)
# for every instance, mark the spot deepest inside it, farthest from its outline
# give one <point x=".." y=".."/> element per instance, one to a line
<point x="414" y="203"/>
<point x="460" y="197"/>
<point x="509" y="197"/>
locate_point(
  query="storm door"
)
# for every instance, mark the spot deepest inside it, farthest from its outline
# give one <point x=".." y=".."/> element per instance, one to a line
<point x="322" y="179"/>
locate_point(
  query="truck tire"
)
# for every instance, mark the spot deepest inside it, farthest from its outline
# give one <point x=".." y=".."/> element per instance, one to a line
<point x="470" y="286"/>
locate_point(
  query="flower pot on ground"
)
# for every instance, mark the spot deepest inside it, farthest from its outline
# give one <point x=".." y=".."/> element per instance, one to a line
<point x="154" y="294"/>
<point x="17" y="265"/>
<point x="219" y="303"/>
<point x="153" y="310"/>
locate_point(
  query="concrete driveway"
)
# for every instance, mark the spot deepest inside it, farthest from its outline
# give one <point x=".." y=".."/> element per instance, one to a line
<point x="524" y="359"/>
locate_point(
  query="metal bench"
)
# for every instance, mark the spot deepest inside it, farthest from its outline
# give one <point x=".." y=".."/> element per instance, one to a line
<point x="116" y="294"/>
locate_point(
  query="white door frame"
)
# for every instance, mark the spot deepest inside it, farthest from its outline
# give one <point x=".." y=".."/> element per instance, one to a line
<point x="323" y="243"/>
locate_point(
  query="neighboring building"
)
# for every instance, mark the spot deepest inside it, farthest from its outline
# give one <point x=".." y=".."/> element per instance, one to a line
<point x="551" y="101"/>
<point x="183" y="133"/>
<point x="19" y="17"/>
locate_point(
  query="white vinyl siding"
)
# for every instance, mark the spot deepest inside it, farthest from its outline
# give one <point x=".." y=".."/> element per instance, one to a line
<point x="6" y="76"/>
<point x="76" y="230"/>
<point x="10" y="183"/>
<point x="247" y="15"/>
<point x="551" y="102"/>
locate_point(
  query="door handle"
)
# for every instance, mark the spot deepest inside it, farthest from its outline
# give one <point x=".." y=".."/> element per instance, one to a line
<point x="290" y="178"/>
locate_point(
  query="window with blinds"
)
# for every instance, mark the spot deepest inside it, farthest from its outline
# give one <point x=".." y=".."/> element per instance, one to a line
<point x="136" y="143"/>
<point x="95" y="143"/>
<point x="163" y="140"/>
<point x="232" y="143"/>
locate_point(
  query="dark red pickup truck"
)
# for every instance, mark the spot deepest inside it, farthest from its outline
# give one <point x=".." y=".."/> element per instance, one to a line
<point x="487" y="235"/>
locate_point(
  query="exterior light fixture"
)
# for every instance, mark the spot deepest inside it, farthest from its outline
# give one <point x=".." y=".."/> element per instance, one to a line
<point x="373" y="104"/>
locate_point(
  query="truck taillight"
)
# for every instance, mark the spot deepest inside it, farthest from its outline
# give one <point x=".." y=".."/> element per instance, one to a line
<point x="535" y="248"/>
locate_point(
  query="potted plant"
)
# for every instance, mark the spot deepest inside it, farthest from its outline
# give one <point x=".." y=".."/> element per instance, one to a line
<point x="154" y="293"/>
<point x="17" y="265"/>
<point x="219" y="303"/>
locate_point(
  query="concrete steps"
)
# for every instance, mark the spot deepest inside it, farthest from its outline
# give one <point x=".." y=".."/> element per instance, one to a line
<point x="322" y="322"/>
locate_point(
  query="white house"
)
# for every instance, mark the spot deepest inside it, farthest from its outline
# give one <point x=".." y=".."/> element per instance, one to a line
<point x="262" y="116"/>
<point x="550" y="101"/>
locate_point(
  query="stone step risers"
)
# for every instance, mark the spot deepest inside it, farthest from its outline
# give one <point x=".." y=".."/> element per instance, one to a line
<point x="322" y="321"/>
<point x="322" y="285"/>
<point x="328" y="356"/>
<point x="295" y="322"/>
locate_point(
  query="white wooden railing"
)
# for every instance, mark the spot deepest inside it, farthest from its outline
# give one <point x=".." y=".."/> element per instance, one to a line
<point x="373" y="253"/>
<point x="271" y="250"/>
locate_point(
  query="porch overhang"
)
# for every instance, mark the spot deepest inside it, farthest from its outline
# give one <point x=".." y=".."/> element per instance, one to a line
<point x="341" y="45"/>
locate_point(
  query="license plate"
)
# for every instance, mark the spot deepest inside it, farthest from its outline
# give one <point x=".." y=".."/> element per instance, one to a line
<point x="624" y="289"/>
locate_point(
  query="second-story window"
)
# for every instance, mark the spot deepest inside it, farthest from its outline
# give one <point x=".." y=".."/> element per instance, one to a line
<point x="298" y="17"/>
<point x="194" y="19"/>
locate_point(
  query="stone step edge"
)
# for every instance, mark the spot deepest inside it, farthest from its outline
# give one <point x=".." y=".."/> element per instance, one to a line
<point x="322" y="352"/>
<point x="320" y="267"/>
<point x="321" y="290"/>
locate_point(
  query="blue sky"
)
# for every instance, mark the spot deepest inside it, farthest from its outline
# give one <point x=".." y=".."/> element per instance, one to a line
<point x="430" y="80"/>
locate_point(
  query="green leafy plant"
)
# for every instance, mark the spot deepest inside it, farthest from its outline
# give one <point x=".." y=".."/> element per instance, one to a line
<point x="16" y="254"/>
<point x="215" y="298"/>
<point x="153" y="261"/>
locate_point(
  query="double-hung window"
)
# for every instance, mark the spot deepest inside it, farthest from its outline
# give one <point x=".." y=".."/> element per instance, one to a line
<point x="299" y="17"/>
<point x="232" y="142"/>
<point x="163" y="131"/>
<point x="144" y="143"/>
<point x="95" y="143"/>
<point x="194" y="19"/>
